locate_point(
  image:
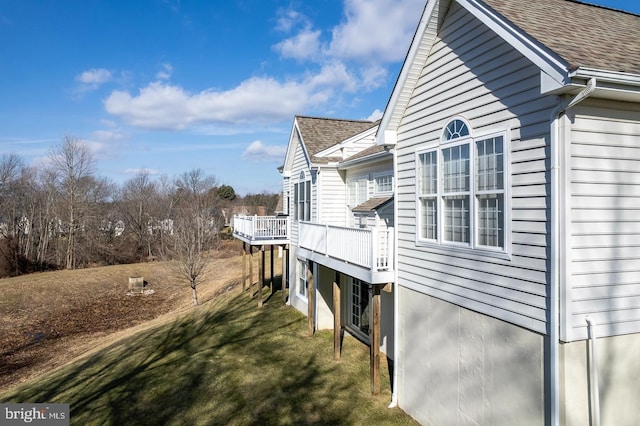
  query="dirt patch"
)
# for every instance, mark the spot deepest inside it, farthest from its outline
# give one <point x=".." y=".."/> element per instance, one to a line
<point x="47" y="319"/>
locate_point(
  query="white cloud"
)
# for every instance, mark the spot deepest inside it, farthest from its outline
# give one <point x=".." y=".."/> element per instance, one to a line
<point x="91" y="80"/>
<point x="109" y="135"/>
<point x="258" y="151"/>
<point x="94" y="76"/>
<point x="375" y="31"/>
<point x="255" y="101"/>
<point x="304" y="45"/>
<point x="375" y="115"/>
<point x="290" y="18"/>
<point x="165" y="73"/>
<point x="137" y="171"/>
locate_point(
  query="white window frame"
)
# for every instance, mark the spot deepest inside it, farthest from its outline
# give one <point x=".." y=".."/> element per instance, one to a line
<point x="385" y="175"/>
<point x="302" y="198"/>
<point x="425" y="197"/>
<point x="355" y="328"/>
<point x="303" y="270"/>
<point x="360" y="183"/>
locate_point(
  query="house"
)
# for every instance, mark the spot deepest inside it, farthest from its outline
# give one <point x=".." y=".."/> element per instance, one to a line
<point x="338" y="198"/>
<point x="515" y="130"/>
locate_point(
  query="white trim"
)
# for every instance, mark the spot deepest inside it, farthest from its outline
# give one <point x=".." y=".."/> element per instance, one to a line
<point x="377" y="175"/>
<point x="409" y="71"/>
<point x="472" y="247"/>
<point x="537" y="53"/>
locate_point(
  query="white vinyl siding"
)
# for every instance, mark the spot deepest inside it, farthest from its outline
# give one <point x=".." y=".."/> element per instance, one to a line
<point x="332" y="201"/>
<point x="474" y="74"/>
<point x="604" y="242"/>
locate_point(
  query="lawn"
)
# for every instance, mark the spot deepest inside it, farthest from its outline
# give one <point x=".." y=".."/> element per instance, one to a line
<point x="224" y="362"/>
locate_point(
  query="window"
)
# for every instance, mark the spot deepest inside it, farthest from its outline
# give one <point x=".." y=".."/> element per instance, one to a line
<point x="359" y="306"/>
<point x="302" y="199"/>
<point x="383" y="184"/>
<point x="461" y="189"/>
<point x="302" y="278"/>
<point x="357" y="191"/>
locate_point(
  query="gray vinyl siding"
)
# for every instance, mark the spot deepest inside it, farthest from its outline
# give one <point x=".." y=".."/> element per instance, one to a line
<point x="472" y="73"/>
<point x="332" y="197"/>
<point x="300" y="163"/>
<point x="604" y="237"/>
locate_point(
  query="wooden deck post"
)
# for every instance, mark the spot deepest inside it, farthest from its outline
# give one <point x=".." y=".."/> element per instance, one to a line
<point x="285" y="274"/>
<point x="251" y="294"/>
<point x="310" y="298"/>
<point x="261" y="276"/>
<point x="337" y="329"/>
<point x="244" y="266"/>
<point x="271" y="279"/>
<point x="375" y="341"/>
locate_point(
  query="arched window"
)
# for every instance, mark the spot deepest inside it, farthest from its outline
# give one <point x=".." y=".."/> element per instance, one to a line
<point x="455" y="129"/>
<point x="461" y="189"/>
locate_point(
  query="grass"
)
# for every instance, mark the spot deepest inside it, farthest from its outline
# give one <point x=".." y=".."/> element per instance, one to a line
<point x="225" y="362"/>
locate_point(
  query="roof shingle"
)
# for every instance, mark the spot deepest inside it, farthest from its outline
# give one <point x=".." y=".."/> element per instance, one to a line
<point x="582" y="34"/>
<point x="319" y="134"/>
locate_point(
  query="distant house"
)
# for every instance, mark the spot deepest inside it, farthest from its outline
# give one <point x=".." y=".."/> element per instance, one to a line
<point x="515" y="127"/>
<point x="338" y="202"/>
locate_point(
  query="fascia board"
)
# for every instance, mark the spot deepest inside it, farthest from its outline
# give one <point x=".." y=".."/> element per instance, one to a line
<point x="542" y="57"/>
<point x="408" y="76"/>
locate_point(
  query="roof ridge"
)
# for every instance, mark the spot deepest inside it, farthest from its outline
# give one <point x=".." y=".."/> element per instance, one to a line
<point x="335" y="119"/>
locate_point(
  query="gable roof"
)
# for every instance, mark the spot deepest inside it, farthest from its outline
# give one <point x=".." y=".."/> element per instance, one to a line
<point x="570" y="41"/>
<point x="319" y="134"/>
<point x="583" y="35"/>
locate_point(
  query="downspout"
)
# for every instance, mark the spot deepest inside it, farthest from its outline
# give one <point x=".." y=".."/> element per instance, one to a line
<point x="396" y="326"/>
<point x="595" y="389"/>
<point x="556" y="261"/>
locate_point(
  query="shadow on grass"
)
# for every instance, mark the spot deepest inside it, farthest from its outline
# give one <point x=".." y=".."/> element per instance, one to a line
<point x="226" y="362"/>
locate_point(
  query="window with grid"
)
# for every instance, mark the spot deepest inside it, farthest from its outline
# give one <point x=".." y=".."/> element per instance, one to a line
<point x="490" y="191"/>
<point x="302" y="278"/>
<point x="384" y="184"/>
<point x="359" y="305"/>
<point x="456" y="221"/>
<point x="461" y="190"/>
<point x="357" y="191"/>
<point x="302" y="201"/>
<point x="428" y="195"/>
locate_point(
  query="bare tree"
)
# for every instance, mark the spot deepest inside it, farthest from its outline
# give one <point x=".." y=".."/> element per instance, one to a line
<point x="138" y="206"/>
<point x="73" y="165"/>
<point x="195" y="227"/>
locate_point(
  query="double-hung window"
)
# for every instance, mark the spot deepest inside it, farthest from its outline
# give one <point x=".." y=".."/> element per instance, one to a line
<point x="303" y="270"/>
<point x="302" y="199"/>
<point x="357" y="191"/>
<point x="383" y="184"/>
<point x="461" y="190"/>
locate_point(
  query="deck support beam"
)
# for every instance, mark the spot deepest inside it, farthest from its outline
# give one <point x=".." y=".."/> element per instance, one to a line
<point x="337" y="328"/>
<point x="285" y="274"/>
<point x="251" y="294"/>
<point x="375" y="340"/>
<point x="261" y="276"/>
<point x="244" y="266"/>
<point x="271" y="284"/>
<point x="310" y="298"/>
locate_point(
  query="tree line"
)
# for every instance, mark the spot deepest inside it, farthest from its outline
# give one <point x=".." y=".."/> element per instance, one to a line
<point x="63" y="215"/>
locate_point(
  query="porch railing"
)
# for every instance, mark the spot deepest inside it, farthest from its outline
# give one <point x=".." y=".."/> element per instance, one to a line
<point x="261" y="227"/>
<point x="371" y="248"/>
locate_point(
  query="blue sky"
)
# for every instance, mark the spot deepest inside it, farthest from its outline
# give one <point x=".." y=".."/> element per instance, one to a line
<point x="170" y="85"/>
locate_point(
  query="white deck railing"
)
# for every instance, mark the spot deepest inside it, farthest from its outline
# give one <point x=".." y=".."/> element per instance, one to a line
<point x="371" y="248"/>
<point x="261" y="227"/>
